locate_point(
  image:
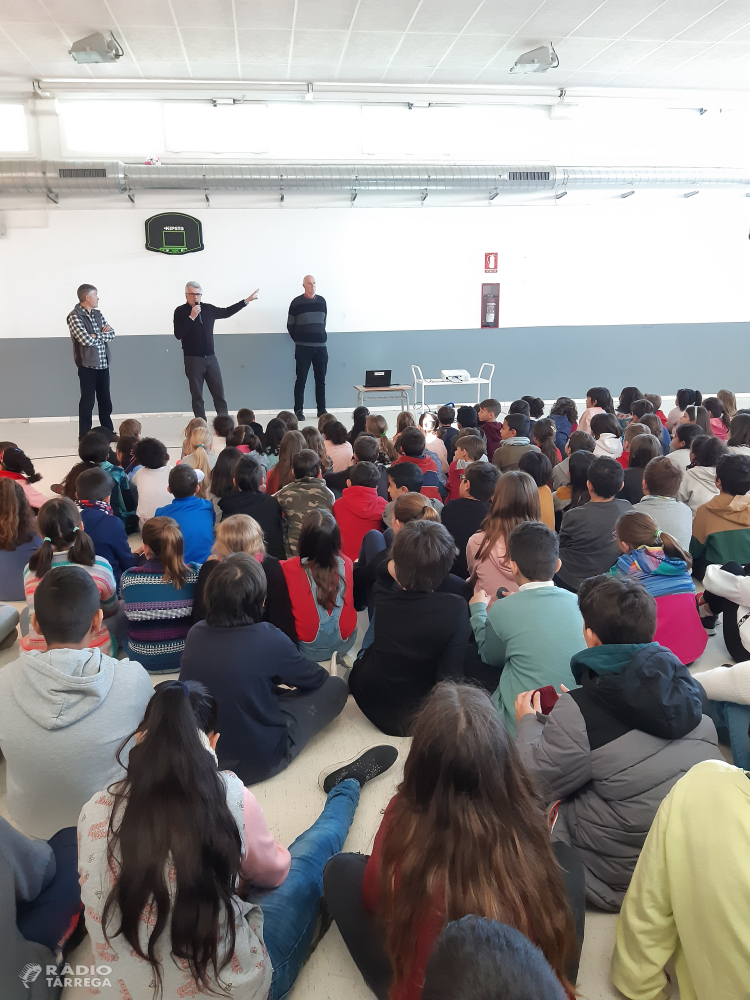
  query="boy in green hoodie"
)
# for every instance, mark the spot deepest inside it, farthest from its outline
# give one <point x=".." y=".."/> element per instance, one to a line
<point x="721" y="529"/>
<point x="529" y="636"/>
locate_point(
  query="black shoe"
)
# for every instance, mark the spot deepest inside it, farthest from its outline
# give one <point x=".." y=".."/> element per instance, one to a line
<point x="365" y="767"/>
<point x="299" y="414"/>
<point x="709" y="624"/>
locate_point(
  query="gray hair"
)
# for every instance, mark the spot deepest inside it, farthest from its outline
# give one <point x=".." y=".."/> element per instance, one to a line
<point x="193" y="284"/>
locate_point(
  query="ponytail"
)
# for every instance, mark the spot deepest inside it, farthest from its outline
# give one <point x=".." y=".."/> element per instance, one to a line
<point x="17" y="461"/>
<point x="164" y="537"/>
<point x="377" y="425"/>
<point x="640" y="530"/>
<point x="200" y="441"/>
<point x="60" y="525"/>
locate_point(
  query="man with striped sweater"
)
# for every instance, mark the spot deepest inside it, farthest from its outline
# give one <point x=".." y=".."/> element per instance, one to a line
<point x="307" y="328"/>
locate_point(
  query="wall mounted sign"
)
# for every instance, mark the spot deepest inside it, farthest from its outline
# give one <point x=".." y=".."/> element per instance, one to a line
<point x="174" y="233"/>
<point x="490" y="305"/>
<point x="490" y="263"/>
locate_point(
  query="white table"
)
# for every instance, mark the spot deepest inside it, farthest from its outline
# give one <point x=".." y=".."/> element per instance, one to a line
<point x="483" y="378"/>
<point x="382" y="391"/>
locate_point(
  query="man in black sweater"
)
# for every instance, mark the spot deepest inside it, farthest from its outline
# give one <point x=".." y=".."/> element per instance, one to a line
<point x="306" y="324"/>
<point x="194" y="328"/>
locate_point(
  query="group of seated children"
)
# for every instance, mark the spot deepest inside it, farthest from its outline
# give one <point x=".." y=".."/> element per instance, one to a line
<point x="528" y="581"/>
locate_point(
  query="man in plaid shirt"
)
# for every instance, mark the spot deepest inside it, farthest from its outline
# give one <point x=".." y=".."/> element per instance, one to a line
<point x="91" y="334"/>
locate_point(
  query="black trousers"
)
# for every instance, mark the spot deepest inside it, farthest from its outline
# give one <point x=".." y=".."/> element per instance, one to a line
<point x="198" y="371"/>
<point x="94" y="387"/>
<point x="730" y="625"/>
<point x="363" y="933"/>
<point x="318" y="358"/>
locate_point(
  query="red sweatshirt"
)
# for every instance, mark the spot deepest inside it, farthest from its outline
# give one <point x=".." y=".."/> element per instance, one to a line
<point x="430" y="481"/>
<point x="491" y="431"/>
<point x="358" y="511"/>
<point x="454" y="481"/>
<point x="303" y="603"/>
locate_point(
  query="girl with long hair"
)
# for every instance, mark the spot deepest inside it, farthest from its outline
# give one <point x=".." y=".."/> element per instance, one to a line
<point x="403" y="420"/>
<point x="170" y="854"/>
<point x="201" y="457"/>
<point x="717" y="418"/>
<point x="65" y="543"/>
<point x="158" y="598"/>
<point x="338" y="446"/>
<point x="16" y="465"/>
<point x="627" y="397"/>
<point x="19" y="539"/>
<point x="222" y="476"/>
<point x="464" y="834"/>
<point x="187" y="445"/>
<point x="652" y="557"/>
<point x="516" y="500"/>
<point x="683" y="399"/>
<point x="545" y="434"/>
<point x="598" y="400"/>
<point x="729" y="402"/>
<point x="738" y="441"/>
<point x="377" y="425"/>
<point x="321" y="589"/>
<point x="564" y="415"/>
<point x="359" y="423"/>
<point x="698" y="484"/>
<point x="605" y="429"/>
<point x="242" y="533"/>
<point x="430" y="427"/>
<point x="275" y="431"/>
<point x="283" y="472"/>
<point x="315" y="441"/>
<point x="643" y="448"/>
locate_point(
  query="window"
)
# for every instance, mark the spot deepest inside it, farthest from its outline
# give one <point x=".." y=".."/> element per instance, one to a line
<point x="202" y="128"/>
<point x="113" y="128"/>
<point x="14" y="137"/>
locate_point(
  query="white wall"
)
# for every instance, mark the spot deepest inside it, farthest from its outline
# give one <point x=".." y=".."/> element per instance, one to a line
<point x="654" y="258"/>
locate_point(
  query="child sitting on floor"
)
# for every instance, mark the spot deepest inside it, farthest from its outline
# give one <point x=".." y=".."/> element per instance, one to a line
<point x="158" y="597"/>
<point x="19" y="539"/>
<point x="683" y="436"/>
<point x="406" y="478"/>
<point x="698" y="484"/>
<point x="633" y="429"/>
<point x="152" y="480"/>
<point x="610" y="750"/>
<point x="531" y="635"/>
<point x="721" y="528"/>
<point x="222" y="427"/>
<point x="468" y="448"/>
<point x="195" y="516"/>
<point x="516" y="499"/>
<point x="359" y="509"/>
<point x="606" y="432"/>
<point x="515" y="443"/>
<point x="651" y="557"/>
<point x="187" y="446"/>
<point x="411" y="443"/>
<point x="578" y="441"/>
<point x="247" y="498"/>
<point x="14" y="464"/>
<point x="489" y="411"/>
<point x="661" y="482"/>
<point x="544" y="434"/>
<point x="463" y="517"/>
<point x="321" y="590"/>
<point x="298" y="498"/>
<point x="587" y="543"/>
<point x="419" y="634"/>
<point x="65" y="543"/>
<point x="93" y="490"/>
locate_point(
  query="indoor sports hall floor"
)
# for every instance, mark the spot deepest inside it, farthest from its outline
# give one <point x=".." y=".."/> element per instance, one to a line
<point x="292" y="800"/>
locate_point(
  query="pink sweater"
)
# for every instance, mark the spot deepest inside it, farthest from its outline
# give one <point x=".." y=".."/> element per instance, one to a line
<point x="266" y="863"/>
<point x="340" y="455"/>
<point x="493" y="571"/>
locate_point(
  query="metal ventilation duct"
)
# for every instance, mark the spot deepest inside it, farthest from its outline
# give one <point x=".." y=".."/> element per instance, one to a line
<point x="96" y="177"/>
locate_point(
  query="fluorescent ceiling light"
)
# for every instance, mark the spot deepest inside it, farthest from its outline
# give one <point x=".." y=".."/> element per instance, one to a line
<point x="537" y="60"/>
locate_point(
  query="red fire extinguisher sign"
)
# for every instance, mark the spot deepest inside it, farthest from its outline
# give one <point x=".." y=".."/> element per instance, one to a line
<point x="490" y="263"/>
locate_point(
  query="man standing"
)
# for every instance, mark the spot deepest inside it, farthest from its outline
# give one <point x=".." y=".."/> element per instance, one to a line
<point x="91" y="334"/>
<point x="307" y="328"/>
<point x="194" y="328"/>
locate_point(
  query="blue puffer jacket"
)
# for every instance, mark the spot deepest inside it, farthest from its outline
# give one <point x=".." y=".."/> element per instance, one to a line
<point x="564" y="428"/>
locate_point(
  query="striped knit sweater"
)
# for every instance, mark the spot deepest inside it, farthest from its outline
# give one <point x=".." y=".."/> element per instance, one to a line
<point x="159" y="615"/>
<point x="102" y="575"/>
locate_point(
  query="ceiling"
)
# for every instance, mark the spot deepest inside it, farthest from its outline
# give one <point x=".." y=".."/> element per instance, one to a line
<point x="691" y="44"/>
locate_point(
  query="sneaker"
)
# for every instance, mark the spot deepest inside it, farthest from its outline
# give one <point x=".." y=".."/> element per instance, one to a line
<point x="299" y="415"/>
<point x="709" y="624"/>
<point x="368" y="765"/>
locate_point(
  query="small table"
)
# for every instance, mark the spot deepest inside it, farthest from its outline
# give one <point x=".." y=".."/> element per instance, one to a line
<point x="401" y="391"/>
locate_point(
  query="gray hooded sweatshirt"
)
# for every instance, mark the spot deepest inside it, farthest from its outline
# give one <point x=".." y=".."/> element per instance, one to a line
<point x="63" y="714"/>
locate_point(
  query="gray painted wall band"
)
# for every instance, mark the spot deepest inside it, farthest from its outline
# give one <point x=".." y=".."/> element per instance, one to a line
<point x="38" y="376"/>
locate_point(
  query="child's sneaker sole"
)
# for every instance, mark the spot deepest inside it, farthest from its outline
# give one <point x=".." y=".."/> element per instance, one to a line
<point x="366" y="766"/>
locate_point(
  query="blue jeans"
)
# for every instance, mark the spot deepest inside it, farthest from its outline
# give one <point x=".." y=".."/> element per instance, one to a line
<point x="291" y="911"/>
<point x="369" y="636"/>
<point x="734" y="719"/>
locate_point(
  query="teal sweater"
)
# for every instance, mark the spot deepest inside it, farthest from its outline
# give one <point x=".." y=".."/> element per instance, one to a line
<point x="532" y="636"/>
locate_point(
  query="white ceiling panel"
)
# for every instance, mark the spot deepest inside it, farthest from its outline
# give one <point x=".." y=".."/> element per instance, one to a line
<point x="332" y="14"/>
<point x="444" y="15"/>
<point x="385" y="15"/>
<point x="620" y="42"/>
<point x="256" y="14"/>
<point x="204" y="13"/>
<point x="141" y="12"/>
<point x="264" y="46"/>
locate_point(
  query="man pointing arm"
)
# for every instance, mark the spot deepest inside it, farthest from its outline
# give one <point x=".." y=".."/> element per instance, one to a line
<point x="194" y="328"/>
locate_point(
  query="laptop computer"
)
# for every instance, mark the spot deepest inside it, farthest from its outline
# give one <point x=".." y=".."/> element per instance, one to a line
<point x="378" y="379"/>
